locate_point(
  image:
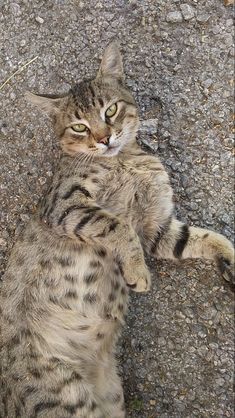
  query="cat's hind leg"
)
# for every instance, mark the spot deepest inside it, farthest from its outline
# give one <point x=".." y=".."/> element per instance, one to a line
<point x="180" y="241"/>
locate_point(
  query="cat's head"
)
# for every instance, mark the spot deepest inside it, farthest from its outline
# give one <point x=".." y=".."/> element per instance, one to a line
<point x="98" y="116"/>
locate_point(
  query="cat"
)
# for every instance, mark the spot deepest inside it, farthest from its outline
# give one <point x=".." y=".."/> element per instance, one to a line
<point x="65" y="291"/>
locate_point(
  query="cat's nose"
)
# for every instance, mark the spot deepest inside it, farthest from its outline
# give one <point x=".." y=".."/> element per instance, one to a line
<point x="104" y="140"/>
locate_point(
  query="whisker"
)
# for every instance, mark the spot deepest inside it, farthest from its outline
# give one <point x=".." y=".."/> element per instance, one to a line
<point x="85" y="159"/>
<point x="73" y="163"/>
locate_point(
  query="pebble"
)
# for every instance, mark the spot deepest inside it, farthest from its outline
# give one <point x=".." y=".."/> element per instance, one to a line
<point x="149" y="126"/>
<point x="42" y="180"/>
<point x="187" y="11"/>
<point x="219" y="382"/>
<point x="4" y="130"/>
<point x="24" y="217"/>
<point x="174" y="17"/>
<point x="228" y="39"/>
<point x="203" y="18"/>
<point x="161" y="341"/>
<point x="15" y="8"/>
<point x="229" y="22"/>
<point x="207" y="83"/>
<point x="179" y="405"/>
<point x="3" y="243"/>
<point x="225" y="218"/>
<point x="12" y="96"/>
<point x="39" y="19"/>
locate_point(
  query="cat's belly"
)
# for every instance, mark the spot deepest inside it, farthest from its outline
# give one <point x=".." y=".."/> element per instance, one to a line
<point x="72" y="298"/>
<point x="87" y="317"/>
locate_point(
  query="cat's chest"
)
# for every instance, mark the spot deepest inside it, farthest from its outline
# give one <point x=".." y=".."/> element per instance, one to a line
<point x="116" y="191"/>
<point x="115" y="184"/>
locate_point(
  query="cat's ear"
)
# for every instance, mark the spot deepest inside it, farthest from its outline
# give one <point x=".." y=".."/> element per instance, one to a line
<point x="47" y="103"/>
<point x="111" y="64"/>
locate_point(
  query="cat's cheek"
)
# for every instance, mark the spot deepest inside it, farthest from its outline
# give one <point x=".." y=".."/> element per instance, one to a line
<point x="71" y="148"/>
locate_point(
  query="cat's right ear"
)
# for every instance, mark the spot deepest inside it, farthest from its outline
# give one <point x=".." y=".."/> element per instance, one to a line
<point x="47" y="103"/>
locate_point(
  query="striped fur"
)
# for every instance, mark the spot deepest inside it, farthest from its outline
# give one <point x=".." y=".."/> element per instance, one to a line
<point x="65" y="292"/>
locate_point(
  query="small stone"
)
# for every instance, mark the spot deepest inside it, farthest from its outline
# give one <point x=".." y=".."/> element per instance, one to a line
<point x="23" y="42"/>
<point x="187" y="11"/>
<point x="216" y="29"/>
<point x="219" y="382"/>
<point x="203" y="18"/>
<point x="179" y="405"/>
<point x="24" y="217"/>
<point x="229" y="22"/>
<point x="161" y="341"/>
<point x="3" y="243"/>
<point x="228" y="2"/>
<point x="150" y="378"/>
<point x="174" y="17"/>
<point x="152" y="402"/>
<point x="149" y="126"/>
<point x="12" y="96"/>
<point x="15" y="8"/>
<point x="42" y="180"/>
<point x="179" y="315"/>
<point x="225" y="219"/>
<point x="207" y="83"/>
<point x="202" y="351"/>
<point x="3" y="130"/>
<point x="228" y="39"/>
<point x="81" y="5"/>
<point x="39" y="19"/>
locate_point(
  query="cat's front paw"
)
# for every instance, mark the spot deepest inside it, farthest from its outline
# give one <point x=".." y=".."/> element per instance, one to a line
<point x="138" y="277"/>
<point x="225" y="262"/>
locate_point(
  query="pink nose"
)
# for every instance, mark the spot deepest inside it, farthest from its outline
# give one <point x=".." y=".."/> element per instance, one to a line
<point x="104" y="140"/>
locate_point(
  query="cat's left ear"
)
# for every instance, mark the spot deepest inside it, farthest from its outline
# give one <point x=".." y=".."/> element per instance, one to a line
<point x="47" y="103"/>
<point x="111" y="64"/>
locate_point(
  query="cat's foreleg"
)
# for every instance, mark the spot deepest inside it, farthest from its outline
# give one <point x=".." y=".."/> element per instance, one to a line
<point x="180" y="241"/>
<point x="88" y="222"/>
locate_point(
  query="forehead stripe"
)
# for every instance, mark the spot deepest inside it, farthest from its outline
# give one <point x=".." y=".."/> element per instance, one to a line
<point x="77" y="115"/>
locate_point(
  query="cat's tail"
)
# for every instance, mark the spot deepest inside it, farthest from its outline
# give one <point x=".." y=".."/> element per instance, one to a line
<point x="180" y="241"/>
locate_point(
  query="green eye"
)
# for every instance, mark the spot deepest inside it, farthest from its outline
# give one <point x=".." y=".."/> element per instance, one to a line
<point x="79" y="127"/>
<point x="111" y="110"/>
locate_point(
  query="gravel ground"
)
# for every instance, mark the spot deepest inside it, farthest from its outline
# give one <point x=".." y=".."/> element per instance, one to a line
<point x="176" y="353"/>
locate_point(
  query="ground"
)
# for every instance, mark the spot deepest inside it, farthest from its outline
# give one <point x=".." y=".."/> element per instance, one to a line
<point x="176" y="352"/>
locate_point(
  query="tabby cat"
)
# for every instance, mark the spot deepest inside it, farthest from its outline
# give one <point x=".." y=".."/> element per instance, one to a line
<point x="65" y="291"/>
